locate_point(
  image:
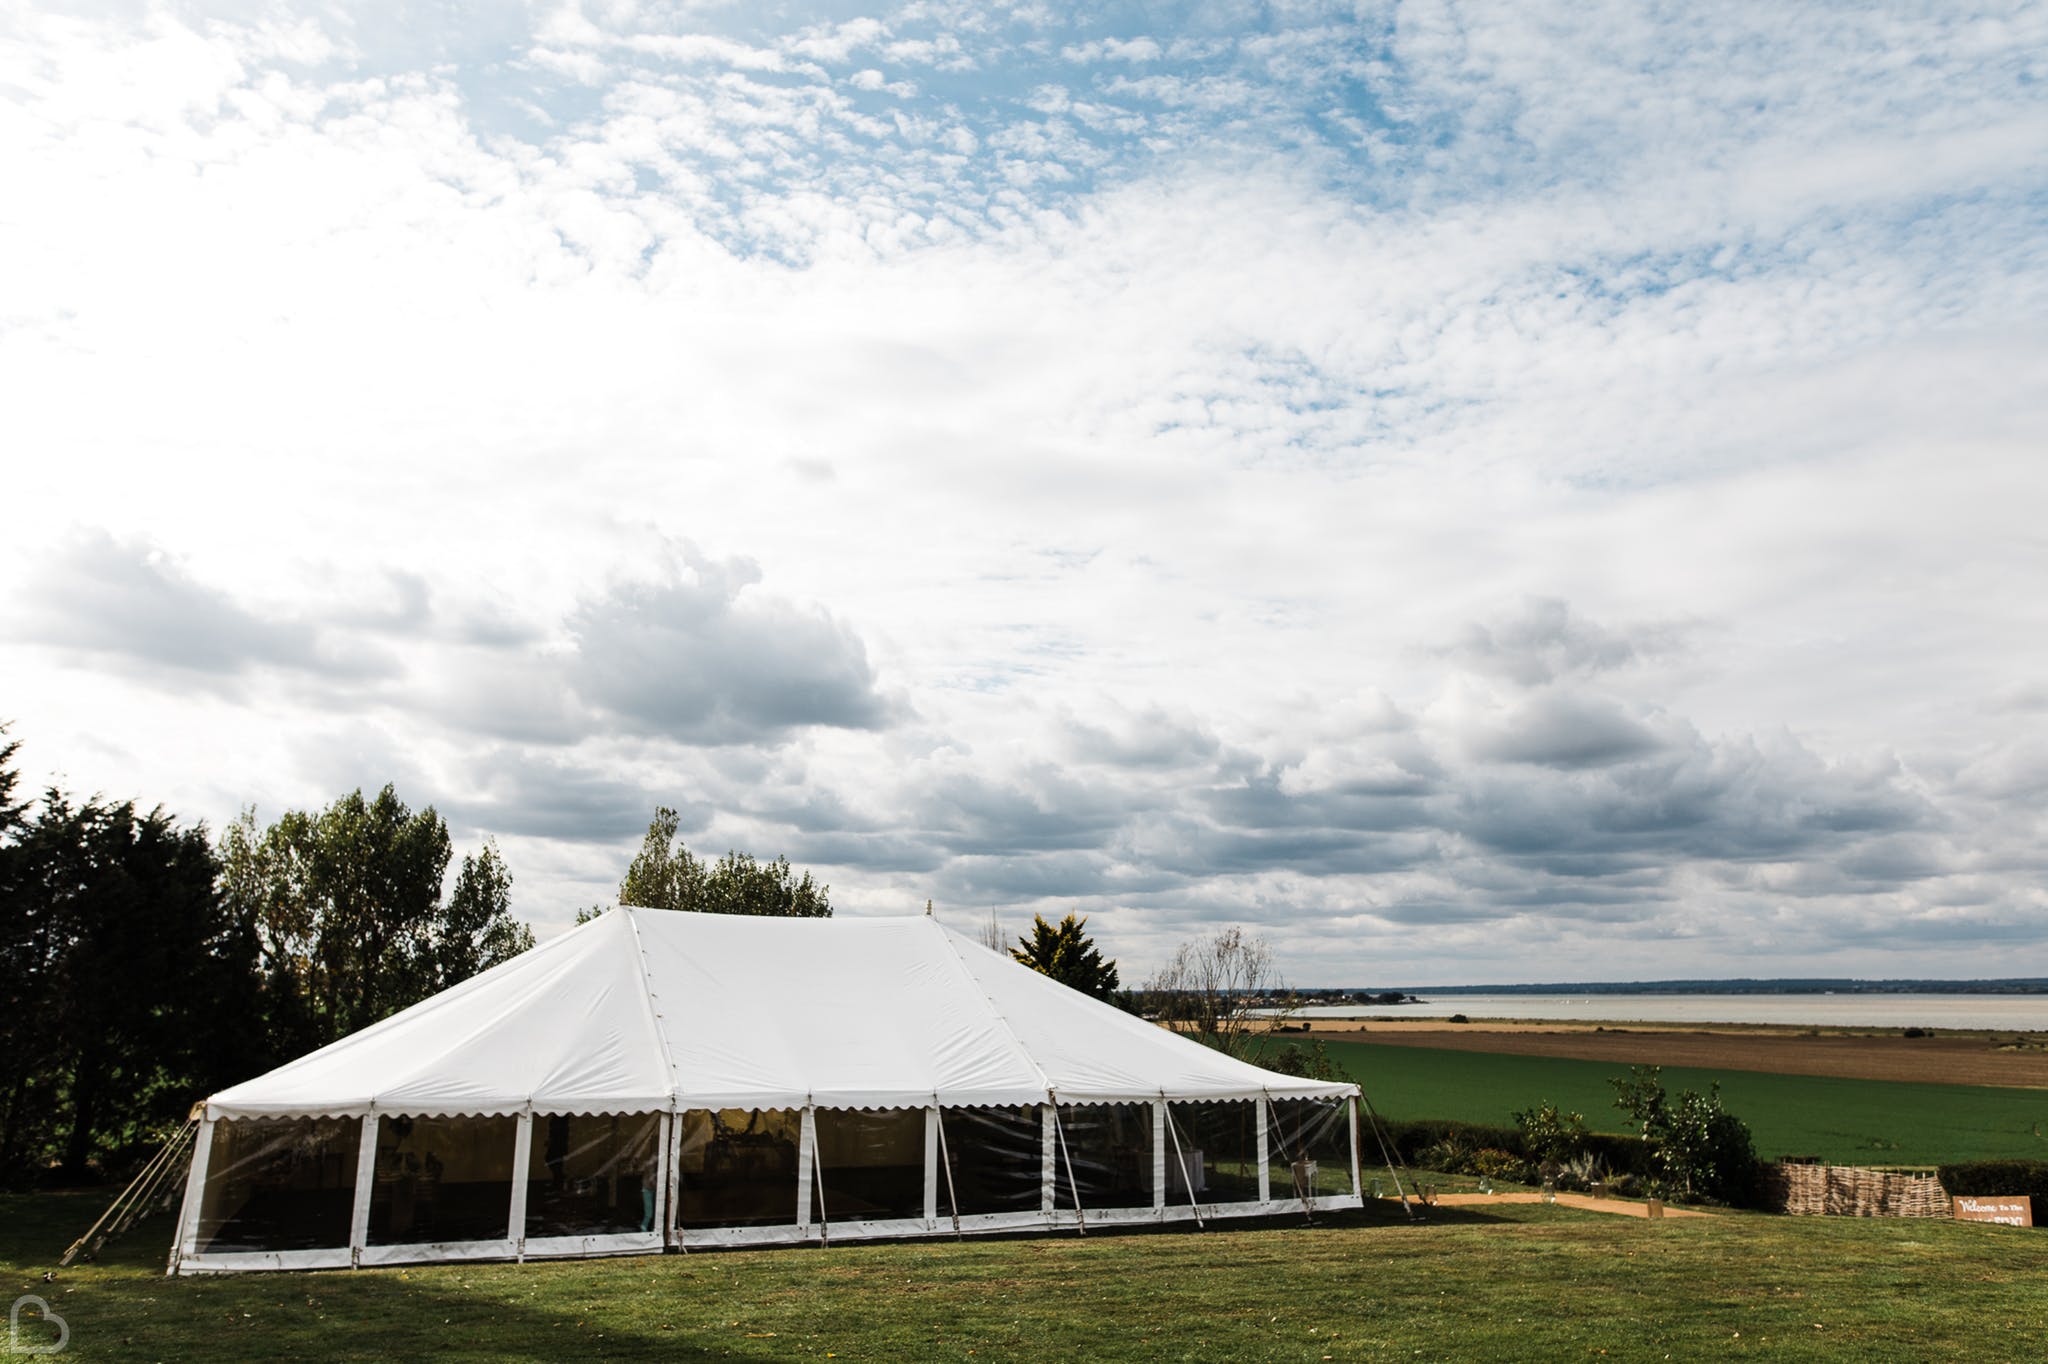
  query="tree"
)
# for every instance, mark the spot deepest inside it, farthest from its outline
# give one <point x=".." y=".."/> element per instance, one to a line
<point x="345" y="906"/>
<point x="667" y="875"/>
<point x="10" y="811"/>
<point x="117" y="964"/>
<point x="1066" y="953"/>
<point x="478" y="930"/>
<point x="1700" y="1149"/>
<point x="1210" y="987"/>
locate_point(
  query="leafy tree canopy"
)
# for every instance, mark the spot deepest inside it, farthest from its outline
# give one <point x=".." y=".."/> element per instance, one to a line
<point x="116" y="966"/>
<point x="1700" y="1149"/>
<point x="347" y="910"/>
<point x="1065" y="952"/>
<point x="667" y="875"/>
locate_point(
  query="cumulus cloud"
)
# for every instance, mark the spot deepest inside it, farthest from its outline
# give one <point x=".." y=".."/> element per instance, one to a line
<point x="1542" y="642"/>
<point x="128" y="600"/>
<point x="695" y="655"/>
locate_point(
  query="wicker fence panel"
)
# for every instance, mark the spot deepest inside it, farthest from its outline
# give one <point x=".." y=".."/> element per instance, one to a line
<point x="1851" y="1191"/>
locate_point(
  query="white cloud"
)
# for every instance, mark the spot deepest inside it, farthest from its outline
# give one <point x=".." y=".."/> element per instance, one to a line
<point x="1601" y="509"/>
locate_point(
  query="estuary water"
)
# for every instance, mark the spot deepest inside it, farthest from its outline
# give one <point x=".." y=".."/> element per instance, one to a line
<point x="2014" y="1013"/>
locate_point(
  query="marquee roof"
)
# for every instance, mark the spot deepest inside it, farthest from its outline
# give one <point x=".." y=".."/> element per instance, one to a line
<point x="641" y="1010"/>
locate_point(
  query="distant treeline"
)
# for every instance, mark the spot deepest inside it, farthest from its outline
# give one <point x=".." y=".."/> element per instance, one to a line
<point x="144" y="964"/>
<point x="1789" y="985"/>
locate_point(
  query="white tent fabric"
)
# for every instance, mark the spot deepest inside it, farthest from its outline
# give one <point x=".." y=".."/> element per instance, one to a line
<point x="655" y="1081"/>
<point x="657" y="1010"/>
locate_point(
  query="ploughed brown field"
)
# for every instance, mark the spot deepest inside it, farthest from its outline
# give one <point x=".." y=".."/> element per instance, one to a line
<point x="2006" y="1059"/>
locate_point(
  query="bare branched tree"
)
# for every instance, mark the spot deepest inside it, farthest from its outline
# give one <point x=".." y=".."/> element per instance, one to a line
<point x="993" y="936"/>
<point x="1210" y="987"/>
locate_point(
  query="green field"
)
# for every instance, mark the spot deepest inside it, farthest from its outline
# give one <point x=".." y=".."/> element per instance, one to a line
<point x="1850" y="1122"/>
<point x="1520" y="1282"/>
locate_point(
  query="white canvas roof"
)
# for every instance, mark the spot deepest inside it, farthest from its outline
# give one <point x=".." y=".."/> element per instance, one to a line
<point x="644" y="1010"/>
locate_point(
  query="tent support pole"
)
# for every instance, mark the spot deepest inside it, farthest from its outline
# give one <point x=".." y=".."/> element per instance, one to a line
<point x="1186" y="1178"/>
<point x="671" y="1179"/>
<point x="1263" y="1110"/>
<point x="1060" y="1130"/>
<point x="366" y="1183"/>
<point x="931" y="1166"/>
<point x="1295" y="1160"/>
<point x="187" y="1239"/>
<point x="946" y="1164"/>
<point x="817" y="1168"/>
<point x="1357" y="1180"/>
<point x="1384" y="1152"/>
<point x="522" y="1173"/>
<point x="1048" y="1175"/>
<point x="1159" y="1153"/>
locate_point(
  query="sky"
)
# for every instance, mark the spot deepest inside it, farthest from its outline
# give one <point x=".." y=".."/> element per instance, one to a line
<point x="1469" y="492"/>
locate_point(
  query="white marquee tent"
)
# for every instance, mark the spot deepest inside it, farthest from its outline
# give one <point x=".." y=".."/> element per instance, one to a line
<point x="655" y="1080"/>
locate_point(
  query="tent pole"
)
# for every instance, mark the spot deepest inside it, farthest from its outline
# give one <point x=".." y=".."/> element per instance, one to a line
<point x="1381" y="1138"/>
<point x="1186" y="1180"/>
<point x="1294" y="1159"/>
<point x="366" y="1183"/>
<point x="931" y="1165"/>
<point x="1059" y="1129"/>
<point x="187" y="1240"/>
<point x="946" y="1164"/>
<point x="818" y="1183"/>
<point x="672" y="1179"/>
<point x="1159" y="1153"/>
<point x="522" y="1178"/>
<point x="1048" y="1170"/>
<point x="1264" y="1146"/>
<point x="1357" y="1181"/>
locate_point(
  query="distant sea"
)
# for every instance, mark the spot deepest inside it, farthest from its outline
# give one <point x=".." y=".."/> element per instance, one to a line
<point x="1999" y="1012"/>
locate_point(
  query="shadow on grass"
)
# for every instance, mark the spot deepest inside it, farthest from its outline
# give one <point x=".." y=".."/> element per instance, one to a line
<point x="731" y="1304"/>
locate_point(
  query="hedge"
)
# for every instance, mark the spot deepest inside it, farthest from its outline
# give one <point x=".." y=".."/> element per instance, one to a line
<point x="1617" y="1151"/>
<point x="1985" y="1178"/>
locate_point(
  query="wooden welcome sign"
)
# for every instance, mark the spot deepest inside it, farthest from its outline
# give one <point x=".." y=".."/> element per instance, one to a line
<point x="2013" y="1210"/>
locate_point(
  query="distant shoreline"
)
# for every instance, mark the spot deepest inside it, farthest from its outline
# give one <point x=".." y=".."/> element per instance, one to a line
<point x="1787" y="985"/>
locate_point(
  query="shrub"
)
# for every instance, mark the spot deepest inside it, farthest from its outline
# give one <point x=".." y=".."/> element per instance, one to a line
<point x="1498" y="1164"/>
<point x="1698" y="1149"/>
<point x="1549" y="1135"/>
<point x="1429" y="1142"/>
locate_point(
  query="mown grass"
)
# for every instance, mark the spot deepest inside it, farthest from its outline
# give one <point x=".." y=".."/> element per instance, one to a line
<point x="1519" y="1282"/>
<point x="1851" y="1122"/>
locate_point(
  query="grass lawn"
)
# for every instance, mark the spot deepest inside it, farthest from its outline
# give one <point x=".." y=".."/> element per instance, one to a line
<point x="1525" y="1281"/>
<point x="1848" y="1122"/>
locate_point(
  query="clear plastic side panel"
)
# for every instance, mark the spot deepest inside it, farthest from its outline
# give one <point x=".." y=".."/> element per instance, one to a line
<point x="737" y="1167"/>
<point x="995" y="1158"/>
<point x="442" y="1179"/>
<point x="592" y="1174"/>
<point x="279" y="1184"/>
<point x="1109" y="1147"/>
<point x="1219" y="1152"/>
<point x="872" y="1163"/>
<point x="1308" y="1148"/>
